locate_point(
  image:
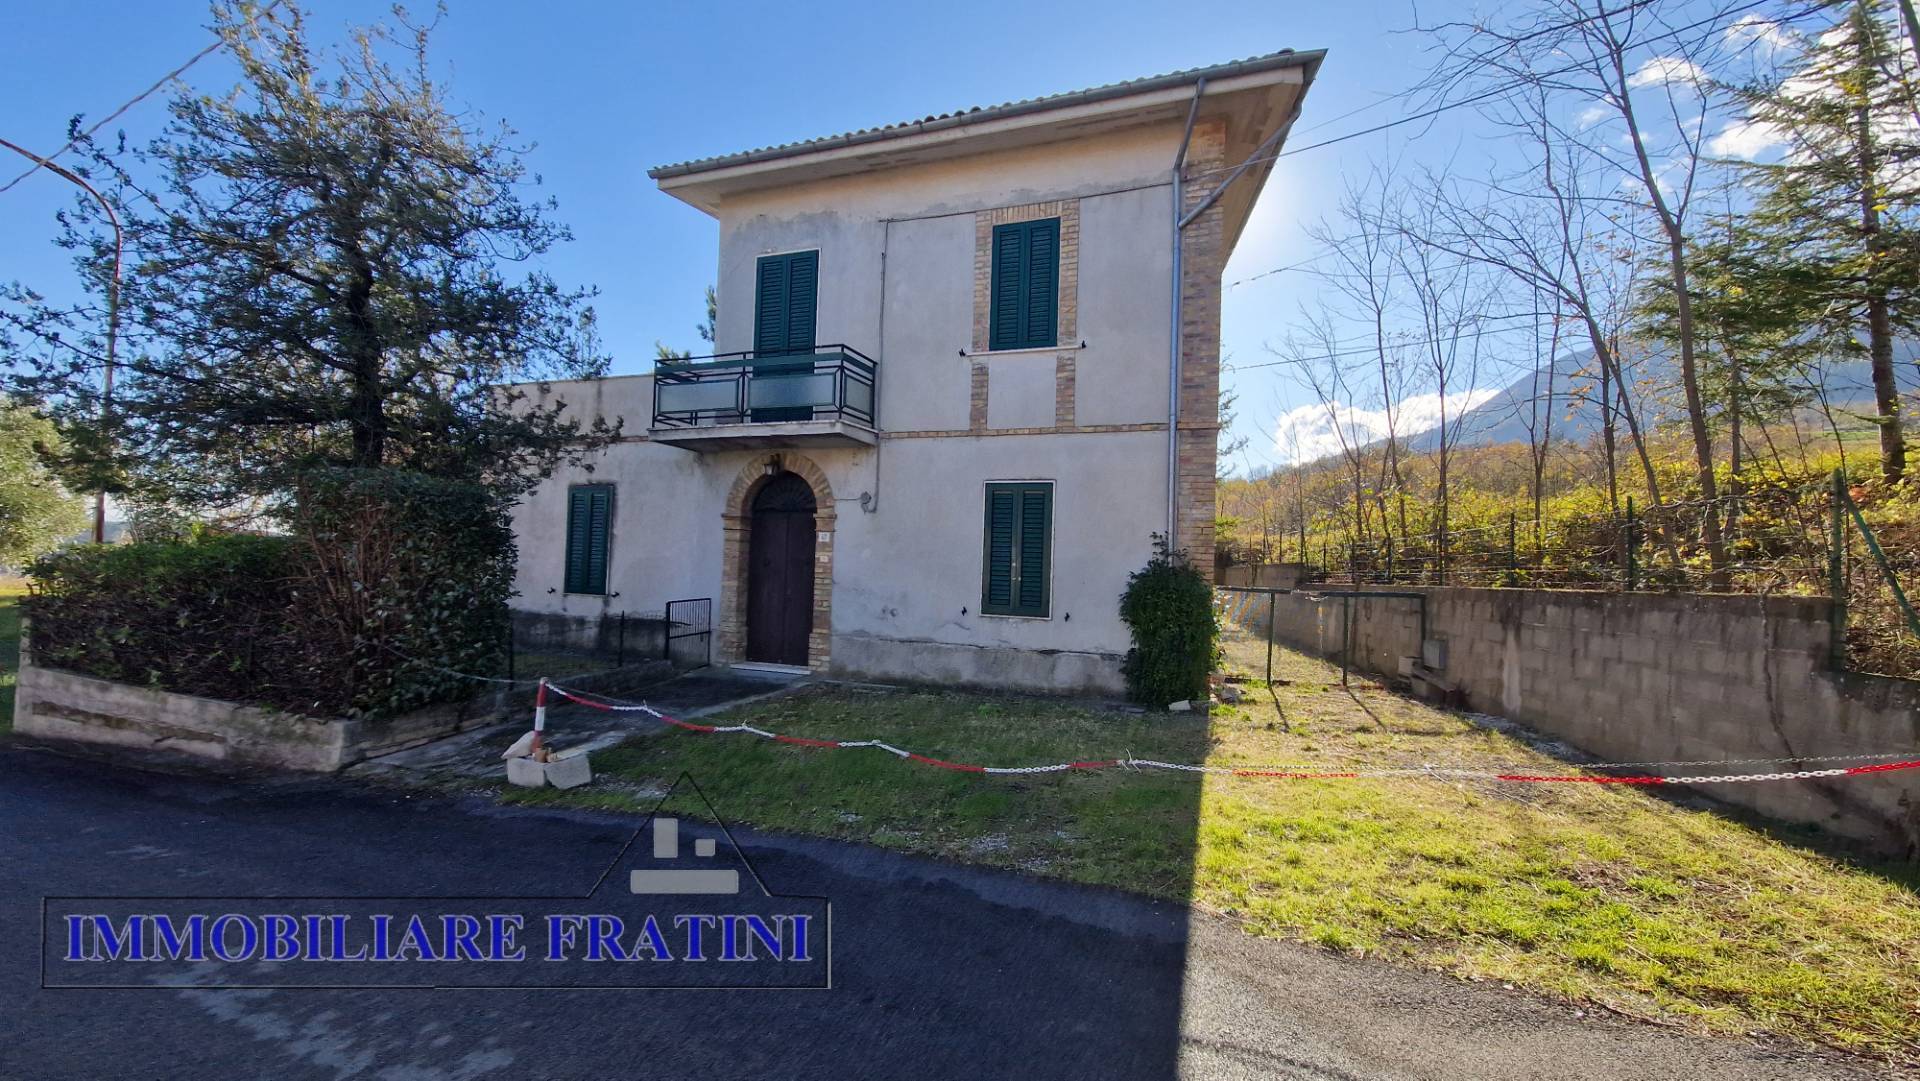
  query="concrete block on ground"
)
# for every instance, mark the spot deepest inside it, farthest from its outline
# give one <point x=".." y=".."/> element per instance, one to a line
<point x="526" y="773"/>
<point x="569" y="770"/>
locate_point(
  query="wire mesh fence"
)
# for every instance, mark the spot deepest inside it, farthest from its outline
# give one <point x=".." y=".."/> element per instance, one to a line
<point x="1808" y="540"/>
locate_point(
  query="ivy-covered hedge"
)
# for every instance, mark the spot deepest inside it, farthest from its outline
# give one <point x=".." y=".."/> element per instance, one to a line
<point x="388" y="581"/>
<point x="1168" y="607"/>
<point x="205" y="615"/>
<point x="409" y="576"/>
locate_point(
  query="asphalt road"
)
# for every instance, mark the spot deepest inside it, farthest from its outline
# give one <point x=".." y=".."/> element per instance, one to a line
<point x="938" y="971"/>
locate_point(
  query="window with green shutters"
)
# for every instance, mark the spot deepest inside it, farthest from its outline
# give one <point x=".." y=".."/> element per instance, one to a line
<point x="1026" y="285"/>
<point x="785" y="302"/>
<point x="589" y="522"/>
<point x="1019" y="549"/>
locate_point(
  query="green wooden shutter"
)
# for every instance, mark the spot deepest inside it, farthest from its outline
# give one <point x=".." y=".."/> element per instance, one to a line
<point x="1009" y="285"/>
<point x="1025" y="301"/>
<point x="1036" y="531"/>
<point x="1003" y="508"/>
<point x="803" y="280"/>
<point x="1043" y="283"/>
<point x="770" y="306"/>
<point x="589" y="525"/>
<point x="786" y="302"/>
<point x="1019" y="550"/>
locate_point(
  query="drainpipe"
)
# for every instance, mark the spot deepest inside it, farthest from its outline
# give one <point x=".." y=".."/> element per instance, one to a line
<point x="870" y="501"/>
<point x="1173" y="343"/>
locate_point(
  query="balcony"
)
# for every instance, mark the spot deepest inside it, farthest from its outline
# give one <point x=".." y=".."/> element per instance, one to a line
<point x="753" y="401"/>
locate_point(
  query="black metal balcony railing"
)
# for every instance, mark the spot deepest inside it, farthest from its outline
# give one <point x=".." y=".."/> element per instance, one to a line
<point x="828" y="382"/>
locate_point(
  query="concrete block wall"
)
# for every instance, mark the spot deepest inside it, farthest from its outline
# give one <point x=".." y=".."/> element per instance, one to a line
<point x="1650" y="677"/>
<point x="1263" y="575"/>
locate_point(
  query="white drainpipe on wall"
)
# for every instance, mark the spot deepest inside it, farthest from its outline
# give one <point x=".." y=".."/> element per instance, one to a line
<point x="1173" y="345"/>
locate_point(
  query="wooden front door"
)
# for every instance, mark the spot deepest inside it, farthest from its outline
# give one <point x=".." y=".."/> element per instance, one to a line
<point x="780" y="572"/>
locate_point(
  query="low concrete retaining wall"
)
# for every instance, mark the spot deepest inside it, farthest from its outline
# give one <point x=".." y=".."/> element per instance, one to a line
<point x="54" y="704"/>
<point x="1647" y="677"/>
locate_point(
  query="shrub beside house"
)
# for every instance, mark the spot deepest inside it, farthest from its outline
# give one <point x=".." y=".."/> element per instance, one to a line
<point x="332" y="639"/>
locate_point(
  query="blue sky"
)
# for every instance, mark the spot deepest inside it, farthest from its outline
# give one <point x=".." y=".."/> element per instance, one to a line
<point x="606" y="90"/>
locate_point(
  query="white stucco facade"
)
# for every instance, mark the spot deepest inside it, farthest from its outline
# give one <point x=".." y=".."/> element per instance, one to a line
<point x="900" y="549"/>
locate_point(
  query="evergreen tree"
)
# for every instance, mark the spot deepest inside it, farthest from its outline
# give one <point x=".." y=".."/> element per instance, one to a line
<point x="36" y="513"/>
<point x="707" y="329"/>
<point x="319" y="271"/>
<point x="1836" y="216"/>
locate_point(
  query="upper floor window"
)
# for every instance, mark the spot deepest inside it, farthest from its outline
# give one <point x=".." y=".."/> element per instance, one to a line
<point x="1026" y="285"/>
<point x="785" y="300"/>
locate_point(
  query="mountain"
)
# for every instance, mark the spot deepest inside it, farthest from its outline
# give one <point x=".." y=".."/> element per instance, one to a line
<point x="1506" y="415"/>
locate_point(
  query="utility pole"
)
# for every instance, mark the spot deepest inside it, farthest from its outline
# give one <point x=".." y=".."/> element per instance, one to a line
<point x="113" y="316"/>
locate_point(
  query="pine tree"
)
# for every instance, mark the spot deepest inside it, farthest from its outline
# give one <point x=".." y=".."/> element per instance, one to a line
<point x="320" y="270"/>
<point x="1839" y="210"/>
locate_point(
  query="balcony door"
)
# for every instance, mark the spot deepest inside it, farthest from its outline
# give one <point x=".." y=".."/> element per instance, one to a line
<point x="780" y="571"/>
<point x="786" y="302"/>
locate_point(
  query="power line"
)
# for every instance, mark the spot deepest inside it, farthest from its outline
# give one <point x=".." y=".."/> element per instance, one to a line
<point x="1496" y="91"/>
<point x="1338" y="353"/>
<point x="137" y="99"/>
<point x="1411" y="90"/>
<point x="1301" y="265"/>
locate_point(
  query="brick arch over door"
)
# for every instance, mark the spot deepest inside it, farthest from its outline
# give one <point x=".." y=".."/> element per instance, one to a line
<point x="737" y="529"/>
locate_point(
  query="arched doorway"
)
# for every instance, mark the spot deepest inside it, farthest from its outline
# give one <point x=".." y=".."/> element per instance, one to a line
<point x="780" y="571"/>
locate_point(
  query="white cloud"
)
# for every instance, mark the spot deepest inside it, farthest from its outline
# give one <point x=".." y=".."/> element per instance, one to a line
<point x="1667" y="69"/>
<point x="1745" y="139"/>
<point x="1593" y="114"/>
<point x="1311" y="432"/>
<point x="1753" y="28"/>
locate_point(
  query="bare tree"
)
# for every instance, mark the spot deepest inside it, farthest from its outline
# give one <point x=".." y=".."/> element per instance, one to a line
<point x="1637" y="75"/>
<point x="1362" y="242"/>
<point x="1543" y="384"/>
<point x="1451" y="300"/>
<point x="1549" y="232"/>
<point x="1315" y="355"/>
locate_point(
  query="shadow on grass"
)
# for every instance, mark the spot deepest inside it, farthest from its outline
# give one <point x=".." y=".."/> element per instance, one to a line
<point x="1136" y="830"/>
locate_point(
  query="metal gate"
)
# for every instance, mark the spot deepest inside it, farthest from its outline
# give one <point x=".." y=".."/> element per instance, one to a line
<point x="689" y="621"/>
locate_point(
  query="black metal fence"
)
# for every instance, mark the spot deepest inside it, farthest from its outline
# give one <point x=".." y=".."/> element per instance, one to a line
<point x="552" y="643"/>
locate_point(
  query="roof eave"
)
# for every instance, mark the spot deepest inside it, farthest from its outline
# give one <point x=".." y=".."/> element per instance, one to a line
<point x="1099" y="99"/>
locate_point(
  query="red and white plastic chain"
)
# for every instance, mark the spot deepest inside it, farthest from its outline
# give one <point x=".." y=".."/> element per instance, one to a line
<point x="1892" y="761"/>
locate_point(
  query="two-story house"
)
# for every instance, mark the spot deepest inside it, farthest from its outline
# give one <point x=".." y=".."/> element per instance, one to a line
<point x="967" y="367"/>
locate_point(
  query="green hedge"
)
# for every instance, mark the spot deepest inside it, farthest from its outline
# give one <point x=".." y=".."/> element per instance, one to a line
<point x="1168" y="607"/>
<point x="204" y="616"/>
<point x="388" y="581"/>
<point x="409" y="576"/>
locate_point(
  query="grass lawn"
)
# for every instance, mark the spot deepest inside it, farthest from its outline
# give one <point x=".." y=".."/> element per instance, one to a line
<point x="1599" y="893"/>
<point x="11" y="590"/>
